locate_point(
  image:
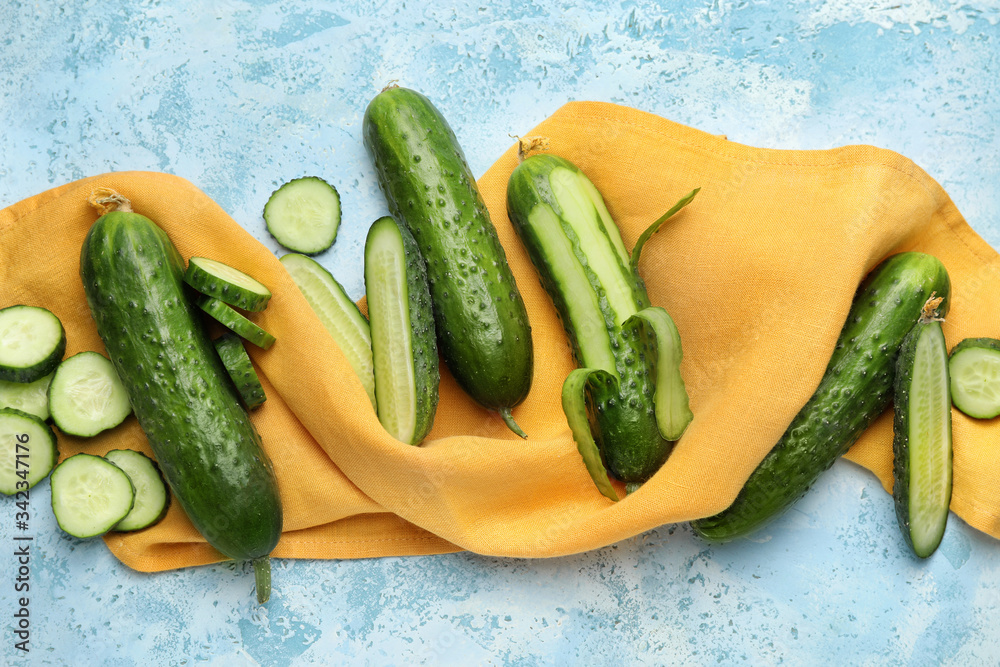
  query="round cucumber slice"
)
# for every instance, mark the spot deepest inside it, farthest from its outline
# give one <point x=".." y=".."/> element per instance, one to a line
<point x="151" y="495"/>
<point x="27" y="450"/>
<point x="304" y="214"/>
<point x="974" y="367"/>
<point x="86" y="396"/>
<point x="236" y="323"/>
<point x="90" y="495"/>
<point x="30" y="397"/>
<point x="32" y="341"/>
<point x="227" y="284"/>
<point x="237" y="362"/>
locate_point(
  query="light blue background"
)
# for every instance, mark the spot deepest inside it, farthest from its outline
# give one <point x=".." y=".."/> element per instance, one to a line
<point x="241" y="96"/>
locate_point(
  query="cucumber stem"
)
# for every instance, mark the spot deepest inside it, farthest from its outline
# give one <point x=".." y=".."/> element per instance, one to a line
<point x="527" y="144"/>
<point x="929" y="313"/>
<point x="262" y="578"/>
<point x="508" y="419"/>
<point x="106" y="200"/>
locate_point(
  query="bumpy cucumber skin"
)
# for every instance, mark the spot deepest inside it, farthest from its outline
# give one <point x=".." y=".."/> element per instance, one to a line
<point x="901" y="432"/>
<point x="237" y="363"/>
<point x="855" y="390"/>
<point x="622" y="414"/>
<point x="209" y="452"/>
<point x="987" y="343"/>
<point x="423" y="344"/>
<point x="482" y="324"/>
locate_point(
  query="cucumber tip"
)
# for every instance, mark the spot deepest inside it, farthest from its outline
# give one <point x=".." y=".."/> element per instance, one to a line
<point x="508" y="419"/>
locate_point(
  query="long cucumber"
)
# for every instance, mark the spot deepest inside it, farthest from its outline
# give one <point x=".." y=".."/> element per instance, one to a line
<point x="482" y="325"/>
<point x="629" y="350"/>
<point x="855" y="389"/>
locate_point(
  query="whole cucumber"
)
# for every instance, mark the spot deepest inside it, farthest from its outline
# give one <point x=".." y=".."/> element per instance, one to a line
<point x="856" y="388"/>
<point x="207" y="448"/>
<point x="482" y="325"/>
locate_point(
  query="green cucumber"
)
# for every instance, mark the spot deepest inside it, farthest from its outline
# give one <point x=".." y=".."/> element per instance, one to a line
<point x="482" y="325"/>
<point x="86" y="396"/>
<point x="32" y="342"/>
<point x="236" y="322"/>
<point x="90" y="495"/>
<point x="30" y="397"/>
<point x="151" y="496"/>
<point x="232" y="286"/>
<point x="921" y="442"/>
<point x="237" y="362"/>
<point x="207" y="448"/>
<point x="404" y="351"/>
<point x="629" y="350"/>
<point x="304" y="215"/>
<point x="27" y="451"/>
<point x="856" y="388"/>
<point x="974" y="366"/>
<point x="338" y="314"/>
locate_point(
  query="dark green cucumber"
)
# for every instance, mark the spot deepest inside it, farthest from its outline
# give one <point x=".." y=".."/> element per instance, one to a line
<point x="974" y="366"/>
<point x="207" y="448"/>
<point x="404" y="352"/>
<point x="482" y="325"/>
<point x="237" y="362"/>
<point x="856" y="388"/>
<point x="629" y="349"/>
<point x="921" y="442"/>
<point x="235" y="322"/>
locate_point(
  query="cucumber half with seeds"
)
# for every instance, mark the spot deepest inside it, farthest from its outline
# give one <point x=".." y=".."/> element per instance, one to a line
<point x="404" y="350"/>
<point x="90" y="495"/>
<point x="974" y="367"/>
<point x="304" y="214"/>
<point x="237" y="362"/>
<point x="236" y="323"/>
<point x="227" y="284"/>
<point x="32" y="342"/>
<point x="86" y="396"/>
<point x="151" y="495"/>
<point x="338" y="314"/>
<point x="30" y="397"/>
<point x="921" y="444"/>
<point x="27" y="450"/>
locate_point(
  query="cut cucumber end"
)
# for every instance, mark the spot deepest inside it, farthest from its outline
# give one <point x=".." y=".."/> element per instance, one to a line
<point x="90" y="495"/>
<point x="237" y="362"/>
<point x="236" y="322"/>
<point x="304" y="214"/>
<point x="32" y="342"/>
<point x="262" y="578"/>
<point x="86" y="396"/>
<point x="975" y="379"/>
<point x="232" y="286"/>
<point x="508" y="419"/>
<point x="151" y="496"/>
<point x="27" y="451"/>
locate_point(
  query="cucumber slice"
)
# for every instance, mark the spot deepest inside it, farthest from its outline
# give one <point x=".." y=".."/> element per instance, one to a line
<point x="237" y="362"/>
<point x="404" y="351"/>
<point x="32" y="341"/>
<point x="338" y="314"/>
<point x="236" y="323"/>
<point x="30" y="397"/>
<point x="86" y="396"/>
<point x="27" y="450"/>
<point x="304" y="214"/>
<point x="974" y="367"/>
<point x="90" y="495"/>
<point x="151" y="495"/>
<point x="227" y="284"/>
<point x="574" y="401"/>
<point x="922" y="437"/>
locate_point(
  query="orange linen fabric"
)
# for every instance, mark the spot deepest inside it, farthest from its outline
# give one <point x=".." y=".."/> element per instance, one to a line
<point x="758" y="273"/>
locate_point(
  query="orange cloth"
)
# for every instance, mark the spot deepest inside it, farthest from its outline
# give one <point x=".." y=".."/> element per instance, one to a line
<point x="758" y="273"/>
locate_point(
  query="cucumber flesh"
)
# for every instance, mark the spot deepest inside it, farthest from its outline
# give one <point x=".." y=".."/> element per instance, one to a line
<point x="151" y="495"/>
<point x="86" y="396"/>
<point x="90" y="495"/>
<point x="304" y="214"/>
<point x="232" y="286"/>
<point x="237" y="362"/>
<point x="975" y="377"/>
<point x="30" y="397"/>
<point x="236" y="322"/>
<point x="27" y="450"/>
<point x="575" y="407"/>
<point x="338" y="314"/>
<point x="673" y="410"/>
<point x="32" y="342"/>
<point x="922" y="444"/>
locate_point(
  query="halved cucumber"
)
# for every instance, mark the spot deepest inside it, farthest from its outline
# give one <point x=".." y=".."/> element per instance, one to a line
<point x="236" y="323"/>
<point x="974" y="367"/>
<point x="237" y="362"/>
<point x="30" y="397"/>
<point x="151" y="495"/>
<point x="227" y="284"/>
<point x="338" y="314"/>
<point x="90" y="495"/>
<point x="304" y="214"/>
<point x="922" y="455"/>
<point x="27" y="450"/>
<point x="86" y="396"/>
<point x="404" y="350"/>
<point x="32" y="341"/>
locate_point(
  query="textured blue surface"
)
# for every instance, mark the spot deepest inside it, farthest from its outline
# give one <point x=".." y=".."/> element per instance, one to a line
<point x="241" y="96"/>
